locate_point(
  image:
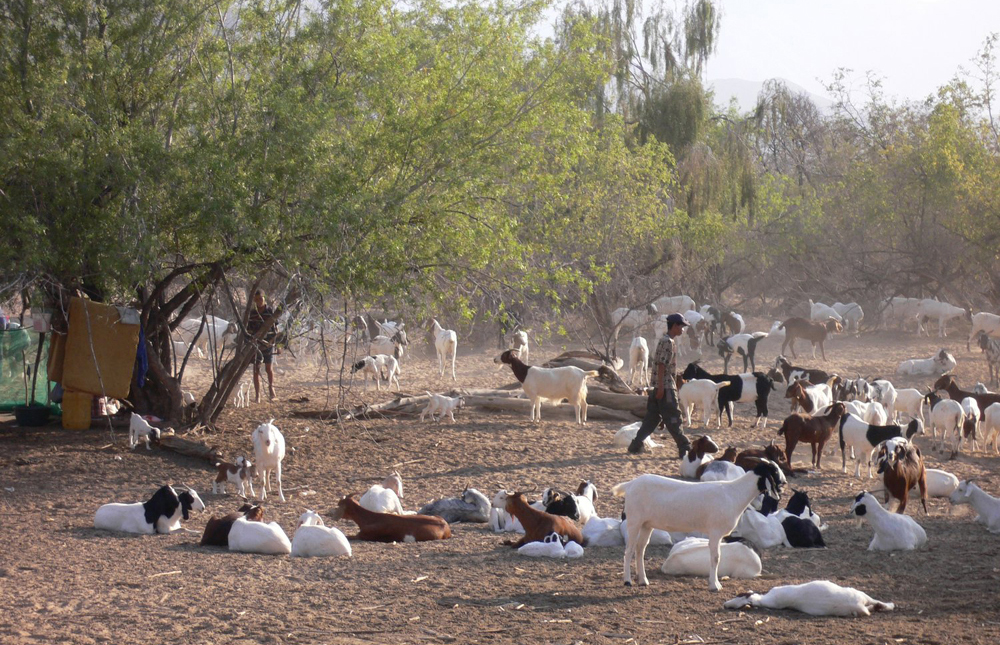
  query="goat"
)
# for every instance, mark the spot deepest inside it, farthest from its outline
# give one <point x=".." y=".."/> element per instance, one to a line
<point x="815" y="430"/>
<point x="690" y="557"/>
<point x="948" y="415"/>
<point x="391" y="345"/>
<point x="626" y="318"/>
<point x="862" y="438"/>
<point x="991" y="426"/>
<point x="802" y="533"/>
<point x="521" y="344"/>
<point x="313" y="539"/>
<point x="816" y="598"/>
<point x="893" y="532"/>
<point x="386" y="527"/>
<point x="586" y="495"/>
<point x="625" y="435"/>
<point x="446" y="346"/>
<point x="638" y="359"/>
<point x="938" y="364"/>
<point x="240" y="474"/>
<point x="852" y="315"/>
<point x="369" y="367"/>
<point x="267" y="538"/>
<point x="744" y="345"/>
<point x="981" y="388"/>
<point x="672" y="304"/>
<point x="811" y="398"/>
<point x="551" y="546"/>
<point x="971" y="422"/>
<point x="553" y="383"/>
<point x="814" y="332"/>
<point x="749" y="458"/>
<point x="697" y="455"/>
<point x="602" y="532"/>
<point x="538" y="524"/>
<point x="748" y="388"/>
<point x="140" y="430"/>
<point x="950" y="385"/>
<point x="820" y="312"/>
<point x="939" y="484"/>
<point x="161" y="513"/>
<point x="731" y="323"/>
<point x="556" y="502"/>
<point x="902" y="466"/>
<point x="471" y="506"/>
<point x="655" y="502"/>
<point x="885" y="393"/>
<point x="908" y="402"/>
<point x="720" y="469"/>
<point x="765" y="531"/>
<point x="384" y="497"/>
<point x="987" y="506"/>
<point x="991" y="347"/>
<point x="441" y="405"/>
<point x="500" y="519"/>
<point x="269" y="451"/>
<point x="871" y="412"/>
<point x="932" y="308"/>
<point x="983" y="323"/>
<point x="242" y="398"/>
<point x="181" y="349"/>
<point x="214" y="335"/>
<point x="217" y="528"/>
<point x="791" y="373"/>
<point x="703" y="393"/>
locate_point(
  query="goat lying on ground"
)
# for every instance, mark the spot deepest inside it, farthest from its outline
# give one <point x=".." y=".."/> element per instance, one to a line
<point x="714" y="508"/>
<point x="987" y="506"/>
<point x="697" y="455"/>
<point x="471" y="506"/>
<point x="937" y="364"/>
<point x="893" y="532"/>
<point x="690" y="557"/>
<point x="217" y="528"/>
<point x="313" y="539"/>
<point x="384" y="497"/>
<point x="162" y="513"/>
<point x="539" y="524"/>
<point x="386" y="527"/>
<point x="268" y="538"/>
<point x="817" y="598"/>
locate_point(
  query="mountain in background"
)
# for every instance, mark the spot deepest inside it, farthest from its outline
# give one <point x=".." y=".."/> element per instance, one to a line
<point x="746" y="93"/>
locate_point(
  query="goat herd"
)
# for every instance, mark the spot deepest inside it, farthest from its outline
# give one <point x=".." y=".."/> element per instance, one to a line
<point x="719" y="516"/>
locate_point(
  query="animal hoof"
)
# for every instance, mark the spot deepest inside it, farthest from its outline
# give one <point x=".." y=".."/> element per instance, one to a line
<point x="628" y="584"/>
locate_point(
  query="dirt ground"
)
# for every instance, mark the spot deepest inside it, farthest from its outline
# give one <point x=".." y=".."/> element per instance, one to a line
<point x="63" y="581"/>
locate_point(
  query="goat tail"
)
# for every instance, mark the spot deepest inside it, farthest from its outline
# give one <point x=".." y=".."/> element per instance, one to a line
<point x="621" y="489"/>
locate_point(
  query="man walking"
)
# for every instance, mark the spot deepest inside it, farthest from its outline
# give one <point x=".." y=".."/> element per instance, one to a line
<point x="662" y="404"/>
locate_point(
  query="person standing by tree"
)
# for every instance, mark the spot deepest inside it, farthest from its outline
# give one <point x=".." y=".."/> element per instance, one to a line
<point x="662" y="404"/>
<point x="265" y="346"/>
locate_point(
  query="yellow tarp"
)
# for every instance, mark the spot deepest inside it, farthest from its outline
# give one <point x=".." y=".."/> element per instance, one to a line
<point x="99" y="340"/>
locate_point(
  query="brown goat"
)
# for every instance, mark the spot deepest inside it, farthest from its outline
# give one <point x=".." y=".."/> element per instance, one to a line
<point x="902" y="467"/>
<point x="387" y="527"/>
<point x="812" y="430"/>
<point x="950" y="385"/>
<point x="539" y="524"/>
<point x="749" y="458"/>
<point x="813" y="331"/>
<point x="217" y="528"/>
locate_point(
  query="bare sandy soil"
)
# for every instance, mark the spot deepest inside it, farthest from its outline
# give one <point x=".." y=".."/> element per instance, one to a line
<point x="63" y="581"/>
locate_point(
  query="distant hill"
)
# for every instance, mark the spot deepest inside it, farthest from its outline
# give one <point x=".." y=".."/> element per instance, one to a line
<point x="746" y="92"/>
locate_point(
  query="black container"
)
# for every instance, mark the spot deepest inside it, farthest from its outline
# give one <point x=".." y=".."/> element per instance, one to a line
<point x="31" y="416"/>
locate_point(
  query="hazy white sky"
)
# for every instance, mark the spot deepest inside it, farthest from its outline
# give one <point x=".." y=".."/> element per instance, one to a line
<point x="915" y="45"/>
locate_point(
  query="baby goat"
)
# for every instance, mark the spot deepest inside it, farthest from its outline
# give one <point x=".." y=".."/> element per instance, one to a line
<point x="140" y="430"/>
<point x="240" y="474"/>
<point x="441" y="405"/>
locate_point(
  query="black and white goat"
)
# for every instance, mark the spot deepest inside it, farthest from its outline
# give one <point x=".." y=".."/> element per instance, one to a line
<point x="744" y="345"/>
<point x="748" y="388"/>
<point x="862" y="438"/>
<point x="162" y="513"/>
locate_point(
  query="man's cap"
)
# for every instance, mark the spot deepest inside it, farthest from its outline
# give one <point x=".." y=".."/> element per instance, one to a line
<point x="677" y="319"/>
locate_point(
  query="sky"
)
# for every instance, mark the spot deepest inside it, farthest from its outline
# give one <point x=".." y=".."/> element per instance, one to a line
<point x="914" y="45"/>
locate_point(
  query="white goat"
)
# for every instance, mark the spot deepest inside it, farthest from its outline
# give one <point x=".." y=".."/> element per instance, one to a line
<point x="139" y="429"/>
<point x="852" y="314"/>
<point x="258" y="537"/>
<point x="655" y="502"/>
<point x="816" y="598"/>
<point x="552" y="383"/>
<point x="690" y="557"/>
<point x="909" y="402"/>
<point x="446" y="346"/>
<point x="942" y="311"/>
<point x="674" y="304"/>
<point x="521" y="344"/>
<point x="821" y="312"/>
<point x="972" y="417"/>
<point x="181" y="348"/>
<point x="987" y="506"/>
<point x="638" y="360"/>
<point x="949" y="416"/>
<point x="719" y="470"/>
<point x="632" y="318"/>
<point x="938" y="364"/>
<point x="384" y="497"/>
<point x="602" y="532"/>
<point x="893" y="531"/>
<point x="312" y="538"/>
<point x="269" y="451"/>
<point x="984" y="322"/>
<point x="900" y="309"/>
<point x="991" y="426"/>
<point x="765" y="531"/>
<point x="627" y="433"/>
<point x="440" y="405"/>
<point x="500" y="519"/>
<point x="162" y="513"/>
<point x="885" y="393"/>
<point x="703" y="393"/>
<point x="242" y="398"/>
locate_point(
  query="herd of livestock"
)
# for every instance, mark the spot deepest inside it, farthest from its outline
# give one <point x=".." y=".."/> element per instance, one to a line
<point x="720" y="515"/>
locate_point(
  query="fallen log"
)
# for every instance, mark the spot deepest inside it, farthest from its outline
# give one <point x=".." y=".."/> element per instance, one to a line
<point x="549" y="410"/>
<point x="190" y="448"/>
